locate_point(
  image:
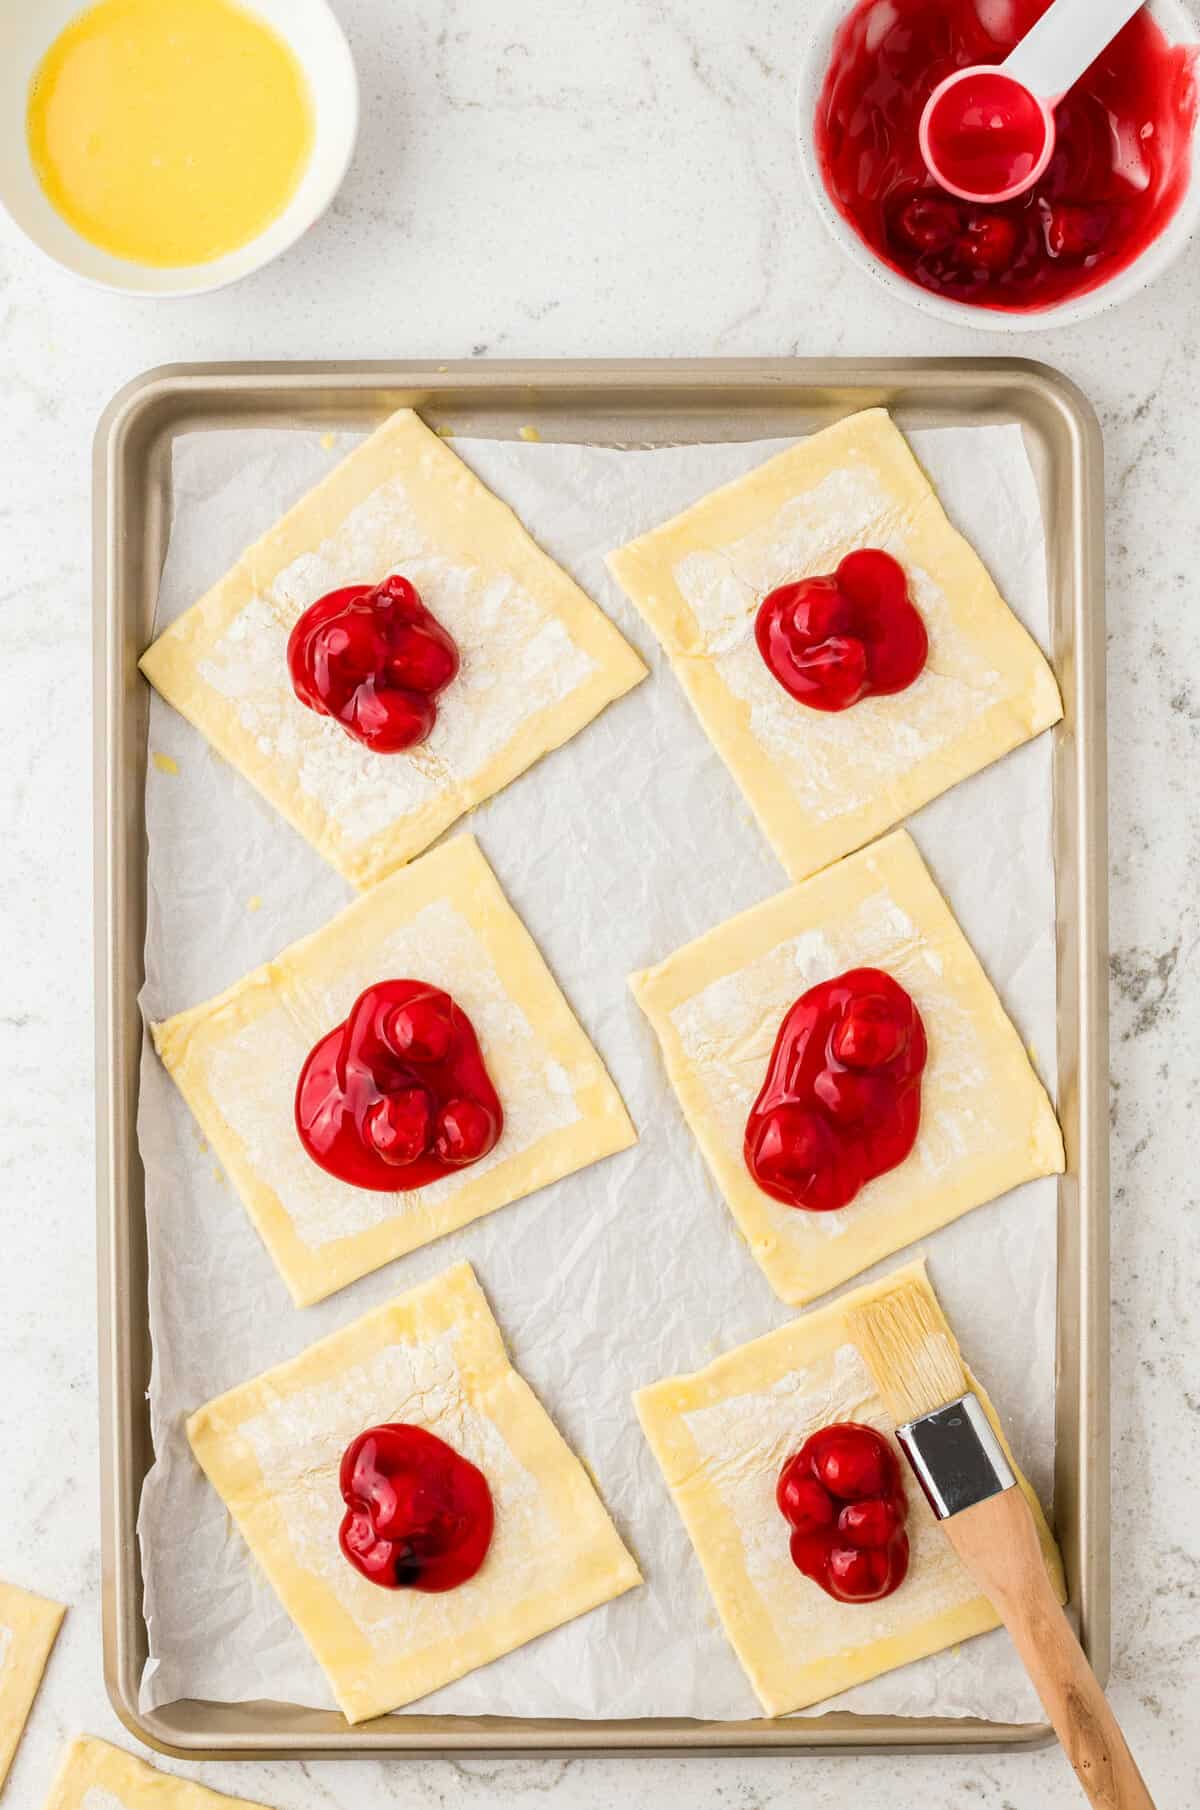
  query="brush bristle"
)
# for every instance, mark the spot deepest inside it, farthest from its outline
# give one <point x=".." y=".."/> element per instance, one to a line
<point x="909" y="1352"/>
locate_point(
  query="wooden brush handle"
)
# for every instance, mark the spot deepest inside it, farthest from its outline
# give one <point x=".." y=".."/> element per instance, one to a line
<point x="998" y="1543"/>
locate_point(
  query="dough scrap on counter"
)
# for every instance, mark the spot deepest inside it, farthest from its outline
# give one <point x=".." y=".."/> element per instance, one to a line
<point x="29" y="1626"/>
<point x="96" y="1776"/>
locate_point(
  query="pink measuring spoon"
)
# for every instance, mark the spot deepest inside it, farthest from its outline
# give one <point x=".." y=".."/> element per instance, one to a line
<point x="987" y="132"/>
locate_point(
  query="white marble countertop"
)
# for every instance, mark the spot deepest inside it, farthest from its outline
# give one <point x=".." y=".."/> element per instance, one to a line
<point x="539" y="179"/>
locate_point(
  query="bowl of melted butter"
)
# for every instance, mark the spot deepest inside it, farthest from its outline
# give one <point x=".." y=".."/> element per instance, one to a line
<point x="168" y="147"/>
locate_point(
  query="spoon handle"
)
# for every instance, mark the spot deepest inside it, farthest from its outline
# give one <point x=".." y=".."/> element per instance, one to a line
<point x="1066" y="40"/>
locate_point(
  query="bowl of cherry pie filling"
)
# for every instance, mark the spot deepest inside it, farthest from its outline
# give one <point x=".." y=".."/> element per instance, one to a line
<point x="1116" y="206"/>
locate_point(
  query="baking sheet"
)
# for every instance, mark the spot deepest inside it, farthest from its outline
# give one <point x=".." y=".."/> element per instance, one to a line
<point x="615" y="850"/>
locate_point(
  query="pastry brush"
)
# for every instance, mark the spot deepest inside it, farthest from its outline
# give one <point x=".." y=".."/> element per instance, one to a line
<point x="961" y="1466"/>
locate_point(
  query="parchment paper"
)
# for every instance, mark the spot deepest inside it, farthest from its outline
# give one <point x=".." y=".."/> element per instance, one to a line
<point x="615" y="850"/>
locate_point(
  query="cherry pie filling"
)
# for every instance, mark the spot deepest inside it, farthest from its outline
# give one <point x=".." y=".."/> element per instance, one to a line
<point x="398" y="1095"/>
<point x="374" y="659"/>
<point x="418" y="1516"/>
<point x="841" y="1102"/>
<point x="842" y="1497"/>
<point x="833" y="640"/>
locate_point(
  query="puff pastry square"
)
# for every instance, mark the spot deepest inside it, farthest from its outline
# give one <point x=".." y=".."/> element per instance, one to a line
<point x="722" y="1437"/>
<point x="28" y="1629"/>
<point x="716" y="1006"/>
<point x="236" y="1060"/>
<point x="95" y="1776"/>
<point x="539" y="659"/>
<point x="434" y="1357"/>
<point x="824" y="784"/>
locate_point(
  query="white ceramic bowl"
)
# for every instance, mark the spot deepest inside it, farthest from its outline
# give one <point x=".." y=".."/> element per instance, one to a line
<point x="27" y="30"/>
<point x="1179" y="27"/>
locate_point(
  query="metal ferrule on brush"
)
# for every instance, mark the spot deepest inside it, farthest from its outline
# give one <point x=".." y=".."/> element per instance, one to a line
<point x="956" y="1456"/>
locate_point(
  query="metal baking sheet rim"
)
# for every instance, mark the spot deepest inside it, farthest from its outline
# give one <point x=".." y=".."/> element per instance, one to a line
<point x="635" y="402"/>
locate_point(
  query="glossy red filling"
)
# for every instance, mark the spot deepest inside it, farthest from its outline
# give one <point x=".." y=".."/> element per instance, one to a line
<point x="842" y="1497"/>
<point x="399" y="1095"/>
<point x="986" y="133"/>
<point x="841" y="1102"/>
<point x="418" y="1516"/>
<point x="1120" y="168"/>
<point x="833" y="640"/>
<point x="373" y="658"/>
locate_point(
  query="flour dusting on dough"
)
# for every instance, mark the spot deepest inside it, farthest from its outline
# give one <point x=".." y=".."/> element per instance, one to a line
<point x="252" y="1075"/>
<point x="517" y="660"/>
<point x="298" y="1443"/>
<point x="834" y="762"/>
<point x="728" y="1030"/>
<point x="744" y="1441"/>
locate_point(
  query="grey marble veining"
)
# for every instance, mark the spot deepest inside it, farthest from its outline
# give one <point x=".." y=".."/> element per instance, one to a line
<point x="536" y="179"/>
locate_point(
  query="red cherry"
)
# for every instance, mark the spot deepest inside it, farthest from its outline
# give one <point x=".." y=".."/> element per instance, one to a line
<point x="1074" y="232"/>
<point x="421" y="661"/>
<point x="803" y="634"/>
<point x="794" y="1147"/>
<point x="390" y="721"/>
<point x="818" y="610"/>
<point x="810" y="1554"/>
<point x="867" y="1575"/>
<point x="989" y="242"/>
<point x="858" y="1576"/>
<point x="421" y="1030"/>
<point x="852" y="1099"/>
<point x="374" y="1557"/>
<point x="398" y="601"/>
<point x="466" y="1131"/>
<point x="802" y="1500"/>
<point x="837" y="668"/>
<point x="871" y="577"/>
<point x="398" y="1126"/>
<point x="344" y="650"/>
<point x="872" y="1032"/>
<point x="854" y="1463"/>
<point x="929" y="222"/>
<point x="868" y="1523"/>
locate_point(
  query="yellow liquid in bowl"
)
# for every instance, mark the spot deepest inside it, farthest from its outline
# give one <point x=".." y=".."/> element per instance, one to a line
<point x="169" y="131"/>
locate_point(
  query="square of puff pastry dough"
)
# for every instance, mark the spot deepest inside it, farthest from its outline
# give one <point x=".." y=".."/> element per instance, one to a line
<point x="821" y="783"/>
<point x="95" y="1776"/>
<point x="28" y="1628"/>
<point x="539" y="659"/>
<point x="237" y="1058"/>
<point x="717" y="1004"/>
<point x="433" y="1357"/>
<point x="722" y="1437"/>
